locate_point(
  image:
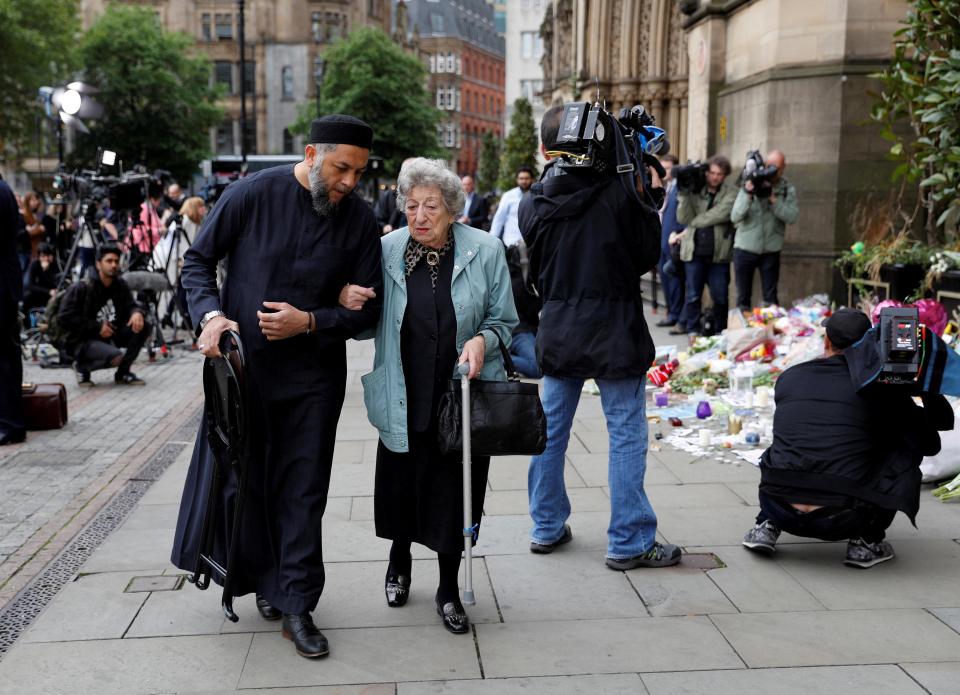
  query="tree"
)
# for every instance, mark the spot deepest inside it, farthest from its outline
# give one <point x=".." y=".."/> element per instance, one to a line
<point x="370" y="77"/>
<point x="158" y="103"/>
<point x="520" y="147"/>
<point x="36" y="49"/>
<point x="489" y="162"/>
<point x="921" y="87"/>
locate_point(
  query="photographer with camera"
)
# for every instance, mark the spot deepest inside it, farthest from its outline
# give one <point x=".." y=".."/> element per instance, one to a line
<point x="706" y="245"/>
<point x="765" y="205"/>
<point x="101" y="324"/>
<point x="592" y="229"/>
<point x="843" y="462"/>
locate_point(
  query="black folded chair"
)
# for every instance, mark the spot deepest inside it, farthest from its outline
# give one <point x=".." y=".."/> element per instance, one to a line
<point x="225" y="394"/>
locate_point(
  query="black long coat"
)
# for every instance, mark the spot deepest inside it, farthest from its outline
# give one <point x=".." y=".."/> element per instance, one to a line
<point x="278" y="249"/>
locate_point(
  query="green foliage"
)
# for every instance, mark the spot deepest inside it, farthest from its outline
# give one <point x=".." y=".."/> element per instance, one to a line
<point x="158" y="104"/>
<point x="489" y="162"/>
<point x="521" y="144"/>
<point x="921" y="87"/>
<point x="36" y="49"/>
<point x="368" y="76"/>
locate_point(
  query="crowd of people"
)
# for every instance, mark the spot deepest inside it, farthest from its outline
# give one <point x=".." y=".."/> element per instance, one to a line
<point x="311" y="265"/>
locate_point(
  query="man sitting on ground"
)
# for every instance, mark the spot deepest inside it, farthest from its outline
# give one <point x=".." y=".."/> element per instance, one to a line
<point x="843" y="462"/>
<point x="98" y="317"/>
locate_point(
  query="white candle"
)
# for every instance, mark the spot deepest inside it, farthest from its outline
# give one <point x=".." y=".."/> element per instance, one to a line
<point x="704" y="437"/>
<point x="763" y="397"/>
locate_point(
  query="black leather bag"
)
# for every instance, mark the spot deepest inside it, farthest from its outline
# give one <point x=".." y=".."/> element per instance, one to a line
<point x="506" y="417"/>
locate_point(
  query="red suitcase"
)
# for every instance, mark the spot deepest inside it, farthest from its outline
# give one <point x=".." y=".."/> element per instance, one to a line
<point x="44" y="406"/>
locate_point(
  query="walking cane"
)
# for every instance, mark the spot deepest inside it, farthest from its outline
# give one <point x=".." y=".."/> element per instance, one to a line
<point x="468" y="530"/>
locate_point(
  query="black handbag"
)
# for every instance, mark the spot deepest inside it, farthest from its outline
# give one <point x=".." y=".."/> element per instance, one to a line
<point x="506" y="417"/>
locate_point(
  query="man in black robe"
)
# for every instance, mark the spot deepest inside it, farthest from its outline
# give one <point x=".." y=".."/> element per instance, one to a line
<point x="12" y="426"/>
<point x="293" y="238"/>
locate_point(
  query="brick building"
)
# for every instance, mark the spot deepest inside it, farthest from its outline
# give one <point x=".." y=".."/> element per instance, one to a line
<point x="464" y="55"/>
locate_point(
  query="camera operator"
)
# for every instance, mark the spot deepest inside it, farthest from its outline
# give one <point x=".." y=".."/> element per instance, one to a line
<point x="760" y="214"/>
<point x="842" y="463"/>
<point x="706" y="245"/>
<point x="98" y="317"/>
<point x="590" y="239"/>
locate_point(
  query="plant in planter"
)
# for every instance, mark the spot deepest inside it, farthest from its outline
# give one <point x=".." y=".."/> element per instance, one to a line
<point x="900" y="261"/>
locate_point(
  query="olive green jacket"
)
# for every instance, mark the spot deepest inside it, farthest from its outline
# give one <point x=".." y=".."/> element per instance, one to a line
<point x="760" y="225"/>
<point x="693" y="212"/>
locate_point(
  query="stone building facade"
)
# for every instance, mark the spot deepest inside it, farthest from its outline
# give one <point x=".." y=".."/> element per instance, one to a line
<point x="524" y="56"/>
<point x="633" y="51"/>
<point x="285" y="41"/>
<point x="794" y="76"/>
<point x="464" y="56"/>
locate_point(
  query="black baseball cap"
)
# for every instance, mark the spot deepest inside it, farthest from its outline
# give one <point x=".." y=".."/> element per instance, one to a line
<point x="845" y="327"/>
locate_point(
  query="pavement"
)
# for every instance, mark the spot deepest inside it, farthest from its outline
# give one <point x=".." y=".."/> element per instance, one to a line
<point x="120" y="619"/>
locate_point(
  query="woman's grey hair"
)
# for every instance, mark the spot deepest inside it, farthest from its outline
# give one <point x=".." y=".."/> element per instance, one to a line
<point x="430" y="172"/>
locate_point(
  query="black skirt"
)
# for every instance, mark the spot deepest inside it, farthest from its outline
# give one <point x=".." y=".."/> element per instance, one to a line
<point x="419" y="494"/>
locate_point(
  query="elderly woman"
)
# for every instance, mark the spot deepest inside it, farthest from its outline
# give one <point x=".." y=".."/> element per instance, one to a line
<point x="448" y="300"/>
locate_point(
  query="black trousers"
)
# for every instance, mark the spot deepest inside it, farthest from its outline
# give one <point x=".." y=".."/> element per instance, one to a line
<point x="862" y="520"/>
<point x="11" y="375"/>
<point x="744" y="265"/>
<point x="99" y="354"/>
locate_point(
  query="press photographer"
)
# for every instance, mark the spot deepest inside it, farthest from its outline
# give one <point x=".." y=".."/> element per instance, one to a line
<point x="765" y="205"/>
<point x="705" y="199"/>
<point x="844" y="460"/>
<point x="592" y="229"/>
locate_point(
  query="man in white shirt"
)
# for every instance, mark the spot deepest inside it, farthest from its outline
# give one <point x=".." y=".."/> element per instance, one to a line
<point x="505" y="226"/>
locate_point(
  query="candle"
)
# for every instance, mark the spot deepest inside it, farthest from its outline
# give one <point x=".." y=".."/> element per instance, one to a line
<point x="704" y="410"/>
<point x="763" y="397"/>
<point x="753" y="438"/>
<point x="660" y="399"/>
<point x="704" y="437"/>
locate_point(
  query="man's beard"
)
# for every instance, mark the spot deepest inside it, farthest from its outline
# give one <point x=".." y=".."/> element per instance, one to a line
<point x="320" y="193"/>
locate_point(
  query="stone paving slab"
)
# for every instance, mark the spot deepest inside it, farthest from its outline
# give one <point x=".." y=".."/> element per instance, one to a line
<point x="564" y="585"/>
<point x="603" y="646"/>
<point x="510" y="473"/>
<point x="583" y="499"/>
<point x="679" y="591"/>
<point x="371" y="689"/>
<point x="614" y="684"/>
<point x="876" y="680"/>
<point x="125" y="667"/>
<point x="593" y="469"/>
<point x="369" y="655"/>
<point x="824" y="638"/>
<point x="936" y="678"/>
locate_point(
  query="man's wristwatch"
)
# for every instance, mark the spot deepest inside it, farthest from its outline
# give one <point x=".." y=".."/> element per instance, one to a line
<point x="209" y="315"/>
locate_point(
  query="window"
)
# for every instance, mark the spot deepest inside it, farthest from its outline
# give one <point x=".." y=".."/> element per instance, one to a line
<point x="441" y="63"/>
<point x="530" y="89"/>
<point x="433" y="63"/>
<point x="373" y="8"/>
<point x="451" y="63"/>
<point x="483" y="103"/>
<point x="223" y="74"/>
<point x="206" y="32"/>
<point x="224" y="27"/>
<point x="286" y="82"/>
<point x="288" y="142"/>
<point x="327" y="26"/>
<point x="526" y="45"/>
<point x="457" y="107"/>
<point x="440" y="97"/>
<point x="436" y="23"/>
<point x="225" y="138"/>
<point x="249" y="76"/>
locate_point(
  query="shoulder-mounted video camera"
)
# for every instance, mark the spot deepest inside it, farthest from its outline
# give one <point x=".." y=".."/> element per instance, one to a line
<point x="690" y="177"/>
<point x="592" y="139"/>
<point x="758" y="173"/>
<point x="900" y="345"/>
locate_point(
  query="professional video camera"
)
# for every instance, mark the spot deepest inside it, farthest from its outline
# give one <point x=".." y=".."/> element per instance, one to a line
<point x="901" y="345"/>
<point x="690" y="177"/>
<point x="758" y="173"/>
<point x="593" y="139"/>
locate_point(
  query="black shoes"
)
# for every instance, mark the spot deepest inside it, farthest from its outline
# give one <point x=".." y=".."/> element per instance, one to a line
<point x="546" y="548"/>
<point x="306" y="638"/>
<point x="454" y="617"/>
<point x="267" y="611"/>
<point x="678" y="330"/>
<point x="397" y="588"/>
<point x="128" y="379"/>
<point x="13" y="437"/>
<point x="666" y="323"/>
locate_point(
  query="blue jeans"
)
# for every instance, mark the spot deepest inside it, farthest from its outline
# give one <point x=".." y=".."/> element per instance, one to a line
<point x="672" y="288"/>
<point x="700" y="272"/>
<point x="633" y="525"/>
<point x="523" y="350"/>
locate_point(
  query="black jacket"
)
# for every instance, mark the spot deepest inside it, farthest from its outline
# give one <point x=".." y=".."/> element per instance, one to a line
<point x="478" y="213"/>
<point x="386" y="211"/>
<point x="589" y="243"/>
<point x="828" y="438"/>
<point x="88" y="304"/>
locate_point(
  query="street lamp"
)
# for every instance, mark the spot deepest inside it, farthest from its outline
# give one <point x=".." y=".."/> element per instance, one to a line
<point x="318" y="69"/>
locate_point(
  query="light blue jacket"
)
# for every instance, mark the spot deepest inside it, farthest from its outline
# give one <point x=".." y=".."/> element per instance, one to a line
<point x="482" y="300"/>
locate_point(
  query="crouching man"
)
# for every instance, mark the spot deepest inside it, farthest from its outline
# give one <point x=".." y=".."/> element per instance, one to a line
<point x="842" y="463"/>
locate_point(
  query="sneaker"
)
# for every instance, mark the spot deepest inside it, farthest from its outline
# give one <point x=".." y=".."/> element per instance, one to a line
<point x="659" y="555"/>
<point x="83" y="376"/>
<point x="762" y="538"/>
<point x="547" y="548"/>
<point x="128" y="379"/>
<point x="865" y="555"/>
